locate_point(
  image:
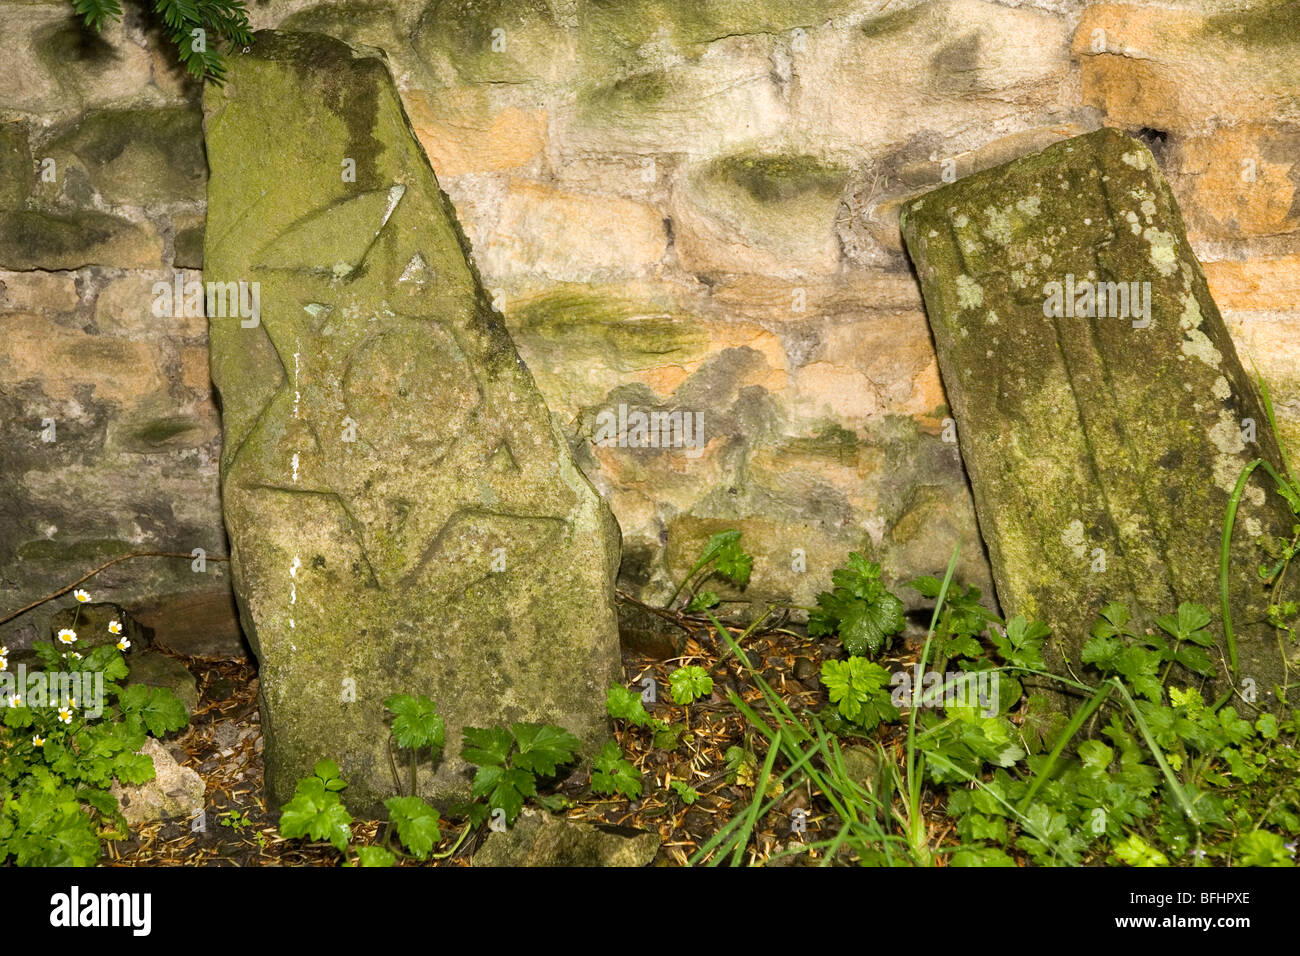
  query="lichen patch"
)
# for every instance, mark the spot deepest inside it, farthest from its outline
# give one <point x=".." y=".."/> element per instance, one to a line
<point x="1197" y="344"/>
<point x="1073" y="538"/>
<point x="1163" y="255"/>
<point x="1226" y="436"/>
<point x="969" y="293"/>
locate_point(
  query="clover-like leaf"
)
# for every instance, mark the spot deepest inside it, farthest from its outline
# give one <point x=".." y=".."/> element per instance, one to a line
<point x="1022" y="644"/>
<point x="133" y="768"/>
<point x="157" y="708"/>
<point x="859" y="609"/>
<point x="505" y="788"/>
<point x="858" y="688"/>
<point x="685" y="792"/>
<point x="316" y="810"/>
<point x="703" y="601"/>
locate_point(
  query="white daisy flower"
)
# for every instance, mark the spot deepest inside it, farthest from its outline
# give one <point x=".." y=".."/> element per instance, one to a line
<point x="15" y="700"/>
<point x="4" y="663"/>
<point x="115" y="627"/>
<point x="67" y="635"/>
<point x="38" y="740"/>
<point x="75" y="655"/>
<point x="81" y="595"/>
<point x="123" y="645"/>
<point x="65" y="715"/>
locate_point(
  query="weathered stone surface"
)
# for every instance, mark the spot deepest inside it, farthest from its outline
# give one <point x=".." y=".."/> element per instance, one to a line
<point x="70" y="239"/>
<point x="463" y="132"/>
<point x="453" y="549"/>
<point x="1102" y="449"/>
<point x="543" y="839"/>
<point x="1241" y="181"/>
<point x="593" y="109"/>
<point x="136" y="156"/>
<point x="772" y="214"/>
<point x="941" y="65"/>
<point x="33" y="291"/>
<point x="572" y="238"/>
<point x="187" y="241"/>
<point x="197" y="624"/>
<point x="175" y="791"/>
<point x="1187" y="71"/>
<point x="152" y="668"/>
<point x="116" y="370"/>
<point x="16" y="168"/>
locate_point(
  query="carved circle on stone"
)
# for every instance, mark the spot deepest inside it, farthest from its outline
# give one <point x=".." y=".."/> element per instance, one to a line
<point x="411" y="388"/>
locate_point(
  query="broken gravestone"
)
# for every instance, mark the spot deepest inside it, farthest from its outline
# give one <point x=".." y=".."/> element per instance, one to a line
<point x="1102" y="413"/>
<point x="404" y="517"/>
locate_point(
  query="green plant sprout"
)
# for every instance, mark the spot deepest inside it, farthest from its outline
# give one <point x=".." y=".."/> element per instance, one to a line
<point x="859" y="609"/>
<point x="612" y="773"/>
<point x="722" y="555"/>
<point x="685" y="792"/>
<point x="624" y="704"/>
<point x="316" y="812"/>
<point x="415" y="726"/>
<point x="511" y="761"/>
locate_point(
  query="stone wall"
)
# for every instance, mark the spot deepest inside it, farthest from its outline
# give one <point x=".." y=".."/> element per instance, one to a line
<point x="678" y="206"/>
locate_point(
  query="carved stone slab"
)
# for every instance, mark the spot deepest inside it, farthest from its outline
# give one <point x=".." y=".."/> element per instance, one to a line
<point x="403" y="515"/>
<point x="1102" y="412"/>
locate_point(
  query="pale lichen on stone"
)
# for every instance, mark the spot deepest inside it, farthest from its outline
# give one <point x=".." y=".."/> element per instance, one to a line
<point x="1197" y="344"/>
<point x="1162" y="253"/>
<point x="1073" y="538"/>
<point x="969" y="294"/>
<point x="1101" y="456"/>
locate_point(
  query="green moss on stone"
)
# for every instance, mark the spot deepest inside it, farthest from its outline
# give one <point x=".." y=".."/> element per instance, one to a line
<point x="1095" y="446"/>
<point x="833" y="441"/>
<point x="632" y="23"/>
<point x="897" y="21"/>
<point x="529" y="41"/>
<point x="405" y="599"/>
<point x="781" y="178"/>
<point x="16" y="170"/>
<point x="629" y="95"/>
<point x="376" y="25"/>
<point x="71" y="553"/>
<point x="30" y="239"/>
<point x="160" y="432"/>
<point x="188" y="248"/>
<point x="1265" y="23"/>
<point x="603" y="323"/>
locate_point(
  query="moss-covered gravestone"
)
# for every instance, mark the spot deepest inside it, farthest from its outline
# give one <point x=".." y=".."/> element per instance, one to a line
<point x="1101" y="409"/>
<point x="403" y="515"/>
